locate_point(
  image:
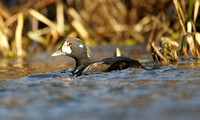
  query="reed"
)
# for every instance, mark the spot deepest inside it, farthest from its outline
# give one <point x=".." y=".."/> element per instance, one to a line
<point x="18" y="34"/>
<point x="47" y="22"/>
<point x="190" y="46"/>
<point x="4" y="33"/>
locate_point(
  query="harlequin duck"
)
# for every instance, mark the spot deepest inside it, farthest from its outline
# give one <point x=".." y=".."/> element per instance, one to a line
<point x="77" y="49"/>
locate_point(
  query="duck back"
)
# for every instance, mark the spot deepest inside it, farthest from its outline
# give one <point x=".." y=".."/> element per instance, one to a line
<point x="110" y="64"/>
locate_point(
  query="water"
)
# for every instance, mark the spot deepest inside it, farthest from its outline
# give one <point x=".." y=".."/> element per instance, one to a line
<point x="40" y="87"/>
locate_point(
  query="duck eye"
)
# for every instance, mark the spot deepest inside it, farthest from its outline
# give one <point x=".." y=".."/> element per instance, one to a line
<point x="67" y="43"/>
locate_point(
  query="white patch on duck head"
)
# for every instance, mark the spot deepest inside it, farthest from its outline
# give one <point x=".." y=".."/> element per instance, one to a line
<point x="66" y="43"/>
<point x="67" y="49"/>
<point x="88" y="55"/>
<point x="81" y="46"/>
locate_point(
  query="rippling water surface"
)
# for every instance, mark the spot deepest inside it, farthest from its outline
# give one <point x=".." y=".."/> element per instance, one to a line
<point x="40" y="87"/>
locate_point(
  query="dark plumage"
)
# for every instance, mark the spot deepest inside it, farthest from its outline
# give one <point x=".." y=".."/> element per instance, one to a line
<point x="77" y="49"/>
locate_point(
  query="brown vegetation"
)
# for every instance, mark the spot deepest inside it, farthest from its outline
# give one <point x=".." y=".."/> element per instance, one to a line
<point x="190" y="36"/>
<point x="28" y="26"/>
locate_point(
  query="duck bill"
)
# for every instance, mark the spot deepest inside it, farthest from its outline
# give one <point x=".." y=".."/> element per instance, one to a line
<point x="58" y="53"/>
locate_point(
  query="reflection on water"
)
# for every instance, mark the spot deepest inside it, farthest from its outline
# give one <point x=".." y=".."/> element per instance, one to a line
<point x="39" y="63"/>
<point x="166" y="92"/>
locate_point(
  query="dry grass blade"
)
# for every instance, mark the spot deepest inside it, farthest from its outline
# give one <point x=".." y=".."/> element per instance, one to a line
<point x="38" y="35"/>
<point x="74" y="14"/>
<point x="80" y="29"/>
<point x="190" y="41"/>
<point x="11" y="19"/>
<point x="60" y="17"/>
<point x="3" y="26"/>
<point x="197" y="43"/>
<point x="196" y="10"/>
<point x="54" y="37"/>
<point x="80" y="26"/>
<point x="43" y="3"/>
<point x="197" y="38"/>
<point x="157" y="55"/>
<point x="167" y="40"/>
<point x="4" y="46"/>
<point x="189" y="27"/>
<point x="184" y="46"/>
<point x="180" y="14"/>
<point x="168" y="52"/>
<point x="18" y="33"/>
<point x="190" y="8"/>
<point x="42" y="18"/>
<point x="193" y="26"/>
<point x="34" y="23"/>
<point x="151" y="35"/>
<point x="118" y="52"/>
<point x="48" y="22"/>
<point x="5" y="12"/>
<point x="106" y="7"/>
<point x="163" y="25"/>
<point x="82" y="32"/>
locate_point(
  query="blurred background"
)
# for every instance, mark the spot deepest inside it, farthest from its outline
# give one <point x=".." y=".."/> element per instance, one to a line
<point x="29" y="26"/>
<point x="34" y="85"/>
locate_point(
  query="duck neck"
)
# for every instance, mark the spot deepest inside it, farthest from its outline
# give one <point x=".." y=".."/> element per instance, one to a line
<point x="81" y="63"/>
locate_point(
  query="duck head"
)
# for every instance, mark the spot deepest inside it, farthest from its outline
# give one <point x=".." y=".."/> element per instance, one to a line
<point x="77" y="49"/>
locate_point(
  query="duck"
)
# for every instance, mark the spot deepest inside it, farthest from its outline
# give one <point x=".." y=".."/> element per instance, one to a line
<point x="80" y="52"/>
